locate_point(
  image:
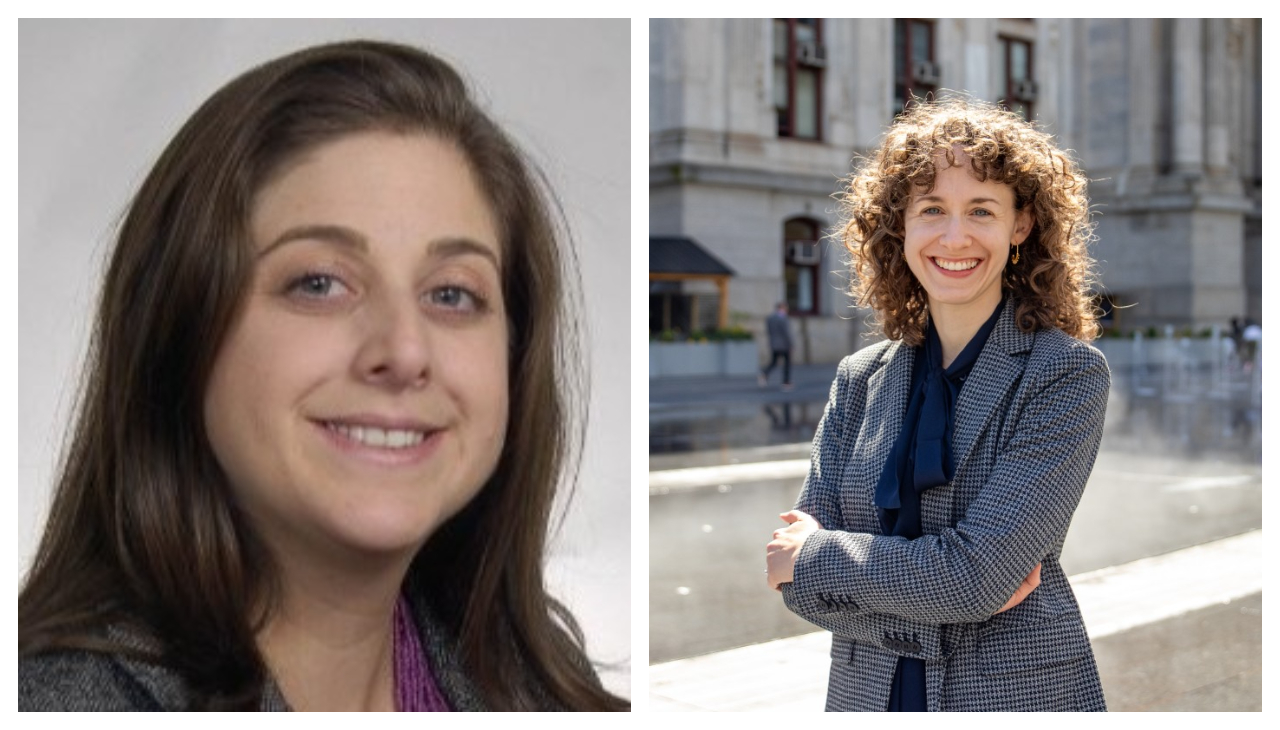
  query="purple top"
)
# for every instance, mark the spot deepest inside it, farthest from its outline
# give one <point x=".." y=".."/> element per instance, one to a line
<point x="416" y="689"/>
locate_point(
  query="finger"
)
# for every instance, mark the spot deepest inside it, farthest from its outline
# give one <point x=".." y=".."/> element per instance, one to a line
<point x="808" y="518"/>
<point x="791" y="517"/>
<point x="1033" y="578"/>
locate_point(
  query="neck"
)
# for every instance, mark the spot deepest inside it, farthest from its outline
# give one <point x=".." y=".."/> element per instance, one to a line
<point x="956" y="326"/>
<point x="329" y="645"/>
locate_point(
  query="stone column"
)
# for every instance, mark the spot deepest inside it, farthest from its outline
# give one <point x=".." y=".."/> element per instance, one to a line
<point x="1144" y="86"/>
<point x="1188" y="95"/>
<point x="1223" y="90"/>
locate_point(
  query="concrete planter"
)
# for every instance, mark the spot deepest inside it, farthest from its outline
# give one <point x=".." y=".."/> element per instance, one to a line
<point x="678" y="359"/>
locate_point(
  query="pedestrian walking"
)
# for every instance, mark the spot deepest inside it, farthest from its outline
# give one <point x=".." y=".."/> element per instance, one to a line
<point x="779" y="327"/>
<point x="1251" y="341"/>
<point x="952" y="455"/>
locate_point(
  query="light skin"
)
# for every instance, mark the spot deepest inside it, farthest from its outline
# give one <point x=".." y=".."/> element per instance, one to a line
<point x="360" y="399"/>
<point x="957" y="242"/>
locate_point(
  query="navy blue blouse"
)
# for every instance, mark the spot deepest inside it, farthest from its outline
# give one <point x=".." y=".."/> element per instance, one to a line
<point x="921" y="458"/>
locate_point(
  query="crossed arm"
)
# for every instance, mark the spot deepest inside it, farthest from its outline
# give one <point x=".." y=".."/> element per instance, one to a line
<point x="988" y="561"/>
<point x="782" y="550"/>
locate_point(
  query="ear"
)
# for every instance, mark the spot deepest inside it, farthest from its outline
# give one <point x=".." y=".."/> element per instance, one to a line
<point x="1022" y="225"/>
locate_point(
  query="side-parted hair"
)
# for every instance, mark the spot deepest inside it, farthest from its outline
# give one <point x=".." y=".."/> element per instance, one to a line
<point x="143" y="526"/>
<point x="1050" y="284"/>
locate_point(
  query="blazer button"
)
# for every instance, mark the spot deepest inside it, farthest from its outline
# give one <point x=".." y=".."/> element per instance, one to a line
<point x="915" y="647"/>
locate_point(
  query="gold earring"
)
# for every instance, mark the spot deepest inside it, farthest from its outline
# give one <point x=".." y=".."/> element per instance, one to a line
<point x="1015" y="252"/>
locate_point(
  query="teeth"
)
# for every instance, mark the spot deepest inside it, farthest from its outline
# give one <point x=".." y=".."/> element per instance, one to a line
<point x="377" y="437"/>
<point x="956" y="265"/>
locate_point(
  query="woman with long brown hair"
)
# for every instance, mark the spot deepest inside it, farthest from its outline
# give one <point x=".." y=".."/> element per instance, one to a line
<point x="952" y="455"/>
<point x="325" y="416"/>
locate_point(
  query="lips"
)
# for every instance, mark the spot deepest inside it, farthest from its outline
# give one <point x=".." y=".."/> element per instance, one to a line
<point x="382" y="434"/>
<point x="956" y="264"/>
<point x="395" y="438"/>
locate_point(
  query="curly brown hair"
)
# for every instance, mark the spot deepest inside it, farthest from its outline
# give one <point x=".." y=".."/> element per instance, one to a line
<point x="1050" y="286"/>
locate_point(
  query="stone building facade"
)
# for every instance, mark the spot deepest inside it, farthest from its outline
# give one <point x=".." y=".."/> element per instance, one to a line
<point x="753" y="123"/>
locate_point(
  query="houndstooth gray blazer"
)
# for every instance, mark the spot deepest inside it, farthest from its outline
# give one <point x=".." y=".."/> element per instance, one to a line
<point x="1027" y="428"/>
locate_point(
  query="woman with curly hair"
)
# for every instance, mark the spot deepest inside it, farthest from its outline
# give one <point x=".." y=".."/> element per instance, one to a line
<point x="952" y="455"/>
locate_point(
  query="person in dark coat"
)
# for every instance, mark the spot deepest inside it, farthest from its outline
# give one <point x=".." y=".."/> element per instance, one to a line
<point x="779" y="328"/>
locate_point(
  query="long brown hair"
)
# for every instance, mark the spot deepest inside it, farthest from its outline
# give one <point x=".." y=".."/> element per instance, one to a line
<point x="1049" y="286"/>
<point x="143" y="526"/>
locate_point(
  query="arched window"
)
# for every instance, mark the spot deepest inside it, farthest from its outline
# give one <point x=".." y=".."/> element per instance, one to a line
<point x="801" y="259"/>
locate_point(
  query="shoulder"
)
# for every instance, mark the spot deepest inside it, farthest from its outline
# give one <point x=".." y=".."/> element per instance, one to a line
<point x="1063" y="374"/>
<point x="1055" y="354"/>
<point x="122" y="671"/>
<point x="862" y="364"/>
<point x="849" y="390"/>
<point x="71" y="681"/>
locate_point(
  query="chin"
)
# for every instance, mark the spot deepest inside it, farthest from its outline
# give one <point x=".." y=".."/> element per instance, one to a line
<point x="388" y="529"/>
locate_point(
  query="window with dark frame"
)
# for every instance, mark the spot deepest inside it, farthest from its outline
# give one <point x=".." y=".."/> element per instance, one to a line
<point x="669" y="308"/>
<point x="1015" y="62"/>
<point x="915" y="68"/>
<point x="798" y="60"/>
<point x="801" y="259"/>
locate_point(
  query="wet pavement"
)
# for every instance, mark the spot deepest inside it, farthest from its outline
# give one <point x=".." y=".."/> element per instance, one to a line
<point x="1175" y="470"/>
<point x="693" y="419"/>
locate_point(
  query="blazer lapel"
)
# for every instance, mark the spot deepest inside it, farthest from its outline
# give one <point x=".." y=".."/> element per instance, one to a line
<point x="997" y="371"/>
<point x="887" y="391"/>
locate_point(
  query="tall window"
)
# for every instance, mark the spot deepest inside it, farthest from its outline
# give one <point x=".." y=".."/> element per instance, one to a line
<point x="915" y="68"/>
<point x="798" y="60"/>
<point x="801" y="259"/>
<point x="1014" y="62"/>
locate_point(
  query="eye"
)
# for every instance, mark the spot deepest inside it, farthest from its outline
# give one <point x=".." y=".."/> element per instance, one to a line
<point x="313" y="285"/>
<point x="457" y="299"/>
<point x="931" y="210"/>
<point x="983" y="212"/>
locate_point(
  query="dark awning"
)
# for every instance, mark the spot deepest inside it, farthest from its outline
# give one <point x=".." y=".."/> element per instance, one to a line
<point x="680" y="255"/>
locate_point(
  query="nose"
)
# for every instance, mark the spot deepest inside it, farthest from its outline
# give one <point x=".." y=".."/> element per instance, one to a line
<point x="395" y="349"/>
<point x="954" y="234"/>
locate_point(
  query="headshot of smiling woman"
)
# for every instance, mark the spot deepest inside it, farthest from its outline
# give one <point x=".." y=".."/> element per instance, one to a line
<point x="324" y="418"/>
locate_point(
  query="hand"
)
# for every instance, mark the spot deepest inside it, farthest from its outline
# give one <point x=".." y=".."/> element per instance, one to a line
<point x="1029" y="584"/>
<point x="780" y="554"/>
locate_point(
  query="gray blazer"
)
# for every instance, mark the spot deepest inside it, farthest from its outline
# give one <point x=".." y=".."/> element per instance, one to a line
<point x="1027" y="428"/>
<point x="71" y="681"/>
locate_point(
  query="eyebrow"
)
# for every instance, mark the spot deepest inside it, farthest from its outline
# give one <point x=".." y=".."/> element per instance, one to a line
<point x="936" y="199"/>
<point x="447" y="247"/>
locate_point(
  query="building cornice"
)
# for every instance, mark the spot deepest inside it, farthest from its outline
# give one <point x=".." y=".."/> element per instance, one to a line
<point x="698" y="173"/>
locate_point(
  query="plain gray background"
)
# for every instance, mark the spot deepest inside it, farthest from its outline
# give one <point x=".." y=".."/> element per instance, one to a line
<point x="99" y="100"/>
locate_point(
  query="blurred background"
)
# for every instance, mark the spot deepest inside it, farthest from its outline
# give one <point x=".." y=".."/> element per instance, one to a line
<point x="752" y="125"/>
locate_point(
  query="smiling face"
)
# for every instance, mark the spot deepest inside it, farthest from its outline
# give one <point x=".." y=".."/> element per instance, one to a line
<point x="360" y="400"/>
<point x="958" y="237"/>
